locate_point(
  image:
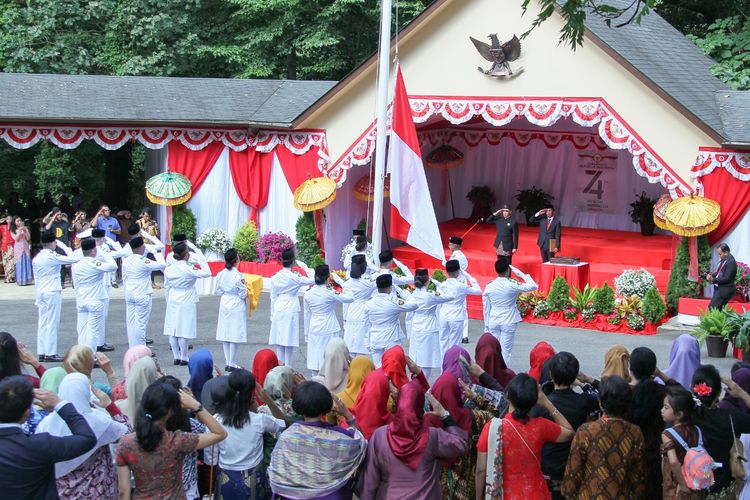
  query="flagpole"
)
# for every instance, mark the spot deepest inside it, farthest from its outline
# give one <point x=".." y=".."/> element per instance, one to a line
<point x="382" y="117"/>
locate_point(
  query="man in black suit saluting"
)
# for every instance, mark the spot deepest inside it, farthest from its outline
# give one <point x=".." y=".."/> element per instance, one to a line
<point x="549" y="229"/>
<point x="723" y="278"/>
<point x="506" y="238"/>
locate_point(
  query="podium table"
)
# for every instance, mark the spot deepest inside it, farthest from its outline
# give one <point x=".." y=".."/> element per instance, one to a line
<point x="575" y="274"/>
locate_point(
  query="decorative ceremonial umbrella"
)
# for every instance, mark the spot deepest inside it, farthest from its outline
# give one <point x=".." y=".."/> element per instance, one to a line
<point x="314" y="194"/>
<point x="169" y="189"/>
<point x="692" y="216"/>
<point x="660" y="211"/>
<point x="363" y="189"/>
<point x="445" y="157"/>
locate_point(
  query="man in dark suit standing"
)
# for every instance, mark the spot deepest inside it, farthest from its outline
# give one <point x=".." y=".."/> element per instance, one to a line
<point x="550" y="229"/>
<point x="723" y="278"/>
<point x="507" y="233"/>
<point x="28" y="462"/>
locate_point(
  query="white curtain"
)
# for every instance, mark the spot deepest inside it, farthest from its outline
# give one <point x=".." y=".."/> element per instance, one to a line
<point x="216" y="204"/>
<point x="738" y="241"/>
<point x="279" y="215"/>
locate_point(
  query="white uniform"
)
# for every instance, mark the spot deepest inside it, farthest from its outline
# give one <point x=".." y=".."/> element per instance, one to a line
<point x="371" y="266"/>
<point x="321" y="323"/>
<point x="383" y="311"/>
<point x="463" y="263"/>
<point x="114" y="250"/>
<point x="424" y="338"/>
<point x="180" y="316"/>
<point x="91" y="279"/>
<point x="501" y="316"/>
<point x="232" y="323"/>
<point x="46" y="265"/>
<point x="154" y="248"/>
<point x="136" y="279"/>
<point x="285" y="286"/>
<point x="453" y="312"/>
<point x="356" y="323"/>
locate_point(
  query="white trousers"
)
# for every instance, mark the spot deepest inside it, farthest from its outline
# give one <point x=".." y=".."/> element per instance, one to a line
<point x="137" y="312"/>
<point x="451" y="333"/>
<point x="89" y="324"/>
<point x="465" y="333"/>
<point x="377" y="357"/>
<point x="100" y="340"/>
<point x="506" y="335"/>
<point x="285" y="354"/>
<point x="48" y="305"/>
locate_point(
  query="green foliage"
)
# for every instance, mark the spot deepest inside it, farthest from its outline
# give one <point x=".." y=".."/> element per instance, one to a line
<point x="654" y="308"/>
<point x="246" y="241"/>
<point x="635" y="321"/>
<point x="714" y="322"/>
<point x="588" y="314"/>
<point x="317" y="261"/>
<point x="531" y="200"/>
<point x="559" y="294"/>
<point x="439" y="275"/>
<point x="679" y="285"/>
<point x="541" y="309"/>
<point x="728" y="42"/>
<point x="604" y="300"/>
<point x="183" y="222"/>
<point x="614" y="319"/>
<point x="582" y="298"/>
<point x="307" y="240"/>
<point x="570" y="314"/>
<point x="642" y="208"/>
<point x="740" y="323"/>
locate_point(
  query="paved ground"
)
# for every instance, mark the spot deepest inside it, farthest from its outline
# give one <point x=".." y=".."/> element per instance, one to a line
<point x="19" y="317"/>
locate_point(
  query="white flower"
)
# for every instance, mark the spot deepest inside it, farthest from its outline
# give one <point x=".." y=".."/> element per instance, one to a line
<point x="214" y="240"/>
<point x="634" y="282"/>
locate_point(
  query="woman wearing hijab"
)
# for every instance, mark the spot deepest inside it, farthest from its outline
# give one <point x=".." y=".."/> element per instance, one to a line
<point x="201" y="369"/>
<point x="265" y="360"/>
<point x="334" y="372"/>
<point x="231" y="328"/>
<point x="403" y="458"/>
<point x="141" y="375"/>
<point x="457" y="474"/>
<point x="131" y="356"/>
<point x="359" y="368"/>
<point x="91" y="475"/>
<point x="371" y="408"/>
<point x="393" y="366"/>
<point x="51" y="379"/>
<point x="740" y="377"/>
<point x="684" y="359"/>
<point x="617" y="362"/>
<point x="489" y="355"/>
<point x="540" y="354"/>
<point x="451" y="363"/>
<point x="279" y="385"/>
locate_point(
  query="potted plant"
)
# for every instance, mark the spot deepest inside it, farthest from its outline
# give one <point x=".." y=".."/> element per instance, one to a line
<point x="642" y="212"/>
<point x="214" y="242"/>
<point x="634" y="283"/>
<point x="530" y="201"/>
<point x="715" y="329"/>
<point x="482" y="197"/>
<point x="742" y="281"/>
<point x="741" y="322"/>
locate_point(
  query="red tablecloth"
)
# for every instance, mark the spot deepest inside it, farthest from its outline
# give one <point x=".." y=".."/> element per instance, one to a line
<point x="577" y="275"/>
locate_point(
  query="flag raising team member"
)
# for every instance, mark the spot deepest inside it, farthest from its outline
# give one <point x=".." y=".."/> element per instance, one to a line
<point x="453" y="312"/>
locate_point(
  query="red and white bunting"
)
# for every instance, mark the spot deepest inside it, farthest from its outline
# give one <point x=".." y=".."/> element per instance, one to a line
<point x="736" y="163"/>
<point x="429" y="139"/>
<point x="544" y="112"/>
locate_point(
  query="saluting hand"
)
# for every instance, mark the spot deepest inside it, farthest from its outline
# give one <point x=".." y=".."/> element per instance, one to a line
<point x="437" y="409"/>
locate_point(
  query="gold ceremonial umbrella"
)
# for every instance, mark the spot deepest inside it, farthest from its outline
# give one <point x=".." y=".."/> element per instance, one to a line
<point x="660" y="211"/>
<point x="314" y="194"/>
<point x="363" y="189"/>
<point x="169" y="189"/>
<point x="692" y="216"/>
<point x="445" y="156"/>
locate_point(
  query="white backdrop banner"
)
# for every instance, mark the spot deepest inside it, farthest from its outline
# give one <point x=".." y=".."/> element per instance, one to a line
<point x="597" y="183"/>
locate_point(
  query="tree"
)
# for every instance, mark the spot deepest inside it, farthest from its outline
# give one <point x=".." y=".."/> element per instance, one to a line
<point x="728" y="42"/>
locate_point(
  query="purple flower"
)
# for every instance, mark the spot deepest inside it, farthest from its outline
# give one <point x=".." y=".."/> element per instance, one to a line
<point x="271" y="245"/>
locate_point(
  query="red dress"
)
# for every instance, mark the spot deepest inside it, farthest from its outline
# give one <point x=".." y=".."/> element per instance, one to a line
<point x="522" y="471"/>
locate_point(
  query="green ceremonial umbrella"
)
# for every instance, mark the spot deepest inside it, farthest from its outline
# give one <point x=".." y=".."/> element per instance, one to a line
<point x="168" y="188"/>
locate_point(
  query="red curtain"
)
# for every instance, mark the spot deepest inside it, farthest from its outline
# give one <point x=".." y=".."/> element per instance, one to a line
<point x="298" y="168"/>
<point x="195" y="165"/>
<point x="251" y="176"/>
<point x="732" y="194"/>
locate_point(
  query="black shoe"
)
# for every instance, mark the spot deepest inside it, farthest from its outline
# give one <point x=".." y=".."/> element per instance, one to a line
<point x="149" y="341"/>
<point x="464" y="341"/>
<point x="177" y="362"/>
<point x="183" y="362"/>
<point x="115" y="285"/>
<point x="105" y="348"/>
<point x="190" y="346"/>
<point x="228" y="368"/>
<point x="42" y="357"/>
<point x="55" y="358"/>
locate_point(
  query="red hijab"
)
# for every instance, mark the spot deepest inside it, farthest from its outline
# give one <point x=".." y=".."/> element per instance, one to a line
<point x="265" y="360"/>
<point x="448" y="392"/>
<point x="407" y="433"/>
<point x="393" y="365"/>
<point x="371" y="407"/>
<point x="489" y="355"/>
<point x="539" y="355"/>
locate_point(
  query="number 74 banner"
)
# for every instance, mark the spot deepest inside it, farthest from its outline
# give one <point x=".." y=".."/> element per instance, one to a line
<point x="597" y="183"/>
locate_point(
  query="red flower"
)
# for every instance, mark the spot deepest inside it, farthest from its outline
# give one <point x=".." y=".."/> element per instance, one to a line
<point x="702" y="389"/>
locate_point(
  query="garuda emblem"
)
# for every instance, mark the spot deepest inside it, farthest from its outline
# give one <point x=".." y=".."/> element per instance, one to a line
<point x="499" y="55"/>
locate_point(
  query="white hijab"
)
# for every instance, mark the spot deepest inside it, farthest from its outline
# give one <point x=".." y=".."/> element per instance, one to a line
<point x="141" y="375"/>
<point x="75" y="388"/>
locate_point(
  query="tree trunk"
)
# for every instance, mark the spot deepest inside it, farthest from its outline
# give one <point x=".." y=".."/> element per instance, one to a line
<point x="117" y="173"/>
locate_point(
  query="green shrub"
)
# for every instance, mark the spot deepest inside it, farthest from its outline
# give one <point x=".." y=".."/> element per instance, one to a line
<point x="246" y="241"/>
<point x="541" y="310"/>
<point x="308" y="249"/>
<point x="559" y="294"/>
<point x="654" y="308"/>
<point x="635" y="321"/>
<point x="439" y="275"/>
<point x="614" y="319"/>
<point x="679" y="284"/>
<point x="570" y="314"/>
<point x="183" y="222"/>
<point x="604" y="300"/>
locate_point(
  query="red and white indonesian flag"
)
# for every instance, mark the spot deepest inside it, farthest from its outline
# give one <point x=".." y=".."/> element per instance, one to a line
<point x="412" y="215"/>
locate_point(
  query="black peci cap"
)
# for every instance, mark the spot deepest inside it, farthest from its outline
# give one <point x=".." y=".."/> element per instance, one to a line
<point x="385" y="256"/>
<point x="179" y="237"/>
<point x="134" y="229"/>
<point x="97" y="233"/>
<point x="358" y="232"/>
<point x="48" y="236"/>
<point x="88" y="244"/>
<point x="455" y="240"/>
<point x="359" y="259"/>
<point x="136" y="242"/>
<point x="452" y="266"/>
<point x="384" y="280"/>
<point x="421" y="272"/>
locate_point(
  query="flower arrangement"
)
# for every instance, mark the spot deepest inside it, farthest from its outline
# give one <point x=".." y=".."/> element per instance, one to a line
<point x="541" y="309"/>
<point x="629" y="305"/>
<point x="635" y="321"/>
<point x="214" y="240"/>
<point x="271" y="245"/>
<point x="588" y="314"/>
<point x="570" y="314"/>
<point x="527" y="301"/>
<point x="742" y="281"/>
<point x="634" y="282"/>
<point x="614" y="319"/>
